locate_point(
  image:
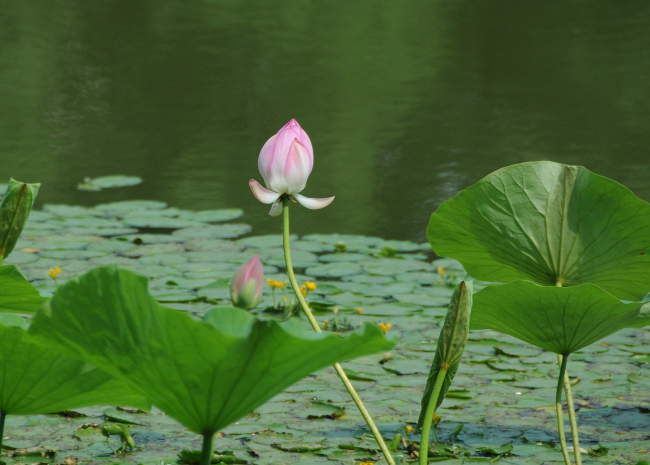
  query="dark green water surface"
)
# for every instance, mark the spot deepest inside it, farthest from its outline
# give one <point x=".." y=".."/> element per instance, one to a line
<point x="405" y="103"/>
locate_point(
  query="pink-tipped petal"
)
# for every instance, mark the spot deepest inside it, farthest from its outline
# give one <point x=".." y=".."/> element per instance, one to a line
<point x="297" y="168"/>
<point x="313" y="204"/>
<point x="276" y="209"/>
<point x="301" y="136"/>
<point x="261" y="193"/>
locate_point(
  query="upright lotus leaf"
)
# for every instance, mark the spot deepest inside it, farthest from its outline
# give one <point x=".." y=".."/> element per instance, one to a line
<point x="451" y="345"/>
<point x="37" y="378"/>
<point x="206" y="375"/>
<point x="559" y="319"/>
<point x="16" y="294"/>
<point x="14" y="211"/>
<point x="551" y="224"/>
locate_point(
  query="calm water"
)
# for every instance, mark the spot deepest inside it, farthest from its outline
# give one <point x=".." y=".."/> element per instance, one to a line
<point x="405" y="103"/>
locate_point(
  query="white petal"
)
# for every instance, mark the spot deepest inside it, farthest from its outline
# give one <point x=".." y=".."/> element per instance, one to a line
<point x="261" y="193"/>
<point x="313" y="204"/>
<point x="276" y="209"/>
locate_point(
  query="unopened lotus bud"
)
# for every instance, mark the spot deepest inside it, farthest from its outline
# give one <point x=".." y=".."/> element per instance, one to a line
<point x="14" y="211"/>
<point x="246" y="287"/>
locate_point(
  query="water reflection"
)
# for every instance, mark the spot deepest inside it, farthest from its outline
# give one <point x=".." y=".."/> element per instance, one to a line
<point x="405" y="105"/>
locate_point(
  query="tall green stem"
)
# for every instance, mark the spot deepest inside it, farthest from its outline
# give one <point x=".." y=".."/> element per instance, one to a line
<point x="428" y="418"/>
<point x="314" y="324"/>
<point x="558" y="410"/>
<point x="572" y="415"/>
<point x="206" y="450"/>
<point x="3" y="415"/>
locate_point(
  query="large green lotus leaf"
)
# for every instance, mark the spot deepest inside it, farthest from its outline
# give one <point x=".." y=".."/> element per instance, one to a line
<point x="17" y="295"/>
<point x="548" y="223"/>
<point x="206" y="374"/>
<point x="559" y="319"/>
<point x="36" y="378"/>
<point x="451" y="345"/>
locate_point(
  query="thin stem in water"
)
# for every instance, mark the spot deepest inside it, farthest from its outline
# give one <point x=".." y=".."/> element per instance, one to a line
<point x="428" y="417"/>
<point x="558" y="410"/>
<point x="572" y="415"/>
<point x="314" y="324"/>
<point x="206" y="450"/>
<point x="3" y="415"/>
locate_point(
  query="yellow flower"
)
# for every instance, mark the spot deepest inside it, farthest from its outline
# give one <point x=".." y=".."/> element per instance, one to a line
<point x="311" y="286"/>
<point x="276" y="284"/>
<point x="54" y="272"/>
<point x="303" y="291"/>
<point x="326" y="324"/>
<point x="436" y="419"/>
<point x="409" y="429"/>
<point x="441" y="271"/>
<point x="358" y="310"/>
<point x="384" y="327"/>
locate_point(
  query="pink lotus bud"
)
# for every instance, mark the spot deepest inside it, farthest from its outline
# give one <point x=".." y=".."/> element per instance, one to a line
<point x="246" y="287"/>
<point x="286" y="159"/>
<point x="285" y="162"/>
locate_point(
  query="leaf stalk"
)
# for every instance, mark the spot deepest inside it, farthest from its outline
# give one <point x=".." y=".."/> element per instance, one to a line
<point x="206" y="450"/>
<point x="314" y="324"/>
<point x="558" y="410"/>
<point x="428" y="419"/>
<point x="572" y="415"/>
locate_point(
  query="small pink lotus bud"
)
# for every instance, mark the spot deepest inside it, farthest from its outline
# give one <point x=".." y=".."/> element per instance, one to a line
<point x="246" y="287"/>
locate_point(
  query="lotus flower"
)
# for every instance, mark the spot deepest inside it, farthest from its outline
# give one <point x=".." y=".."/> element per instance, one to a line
<point x="246" y="287"/>
<point x="285" y="163"/>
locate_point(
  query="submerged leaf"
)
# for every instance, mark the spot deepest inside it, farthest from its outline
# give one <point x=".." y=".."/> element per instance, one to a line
<point x="206" y="375"/>
<point x="451" y="344"/>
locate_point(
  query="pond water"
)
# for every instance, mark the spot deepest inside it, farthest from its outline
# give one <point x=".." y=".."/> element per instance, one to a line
<point x="405" y="104"/>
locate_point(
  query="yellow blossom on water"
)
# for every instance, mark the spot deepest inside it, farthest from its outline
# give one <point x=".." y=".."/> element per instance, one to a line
<point x="409" y="429"/>
<point x="441" y="271"/>
<point x="311" y="286"/>
<point x="276" y="284"/>
<point x="436" y="419"/>
<point x="358" y="310"/>
<point x="326" y="324"/>
<point x="54" y="272"/>
<point x="303" y="291"/>
<point x="384" y="327"/>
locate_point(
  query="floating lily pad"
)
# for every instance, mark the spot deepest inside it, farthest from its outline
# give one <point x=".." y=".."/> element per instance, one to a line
<point x="214" y="231"/>
<point x="213" y="216"/>
<point x="105" y="182"/>
<point x="130" y="205"/>
<point x="160" y="222"/>
<point x="334" y="270"/>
